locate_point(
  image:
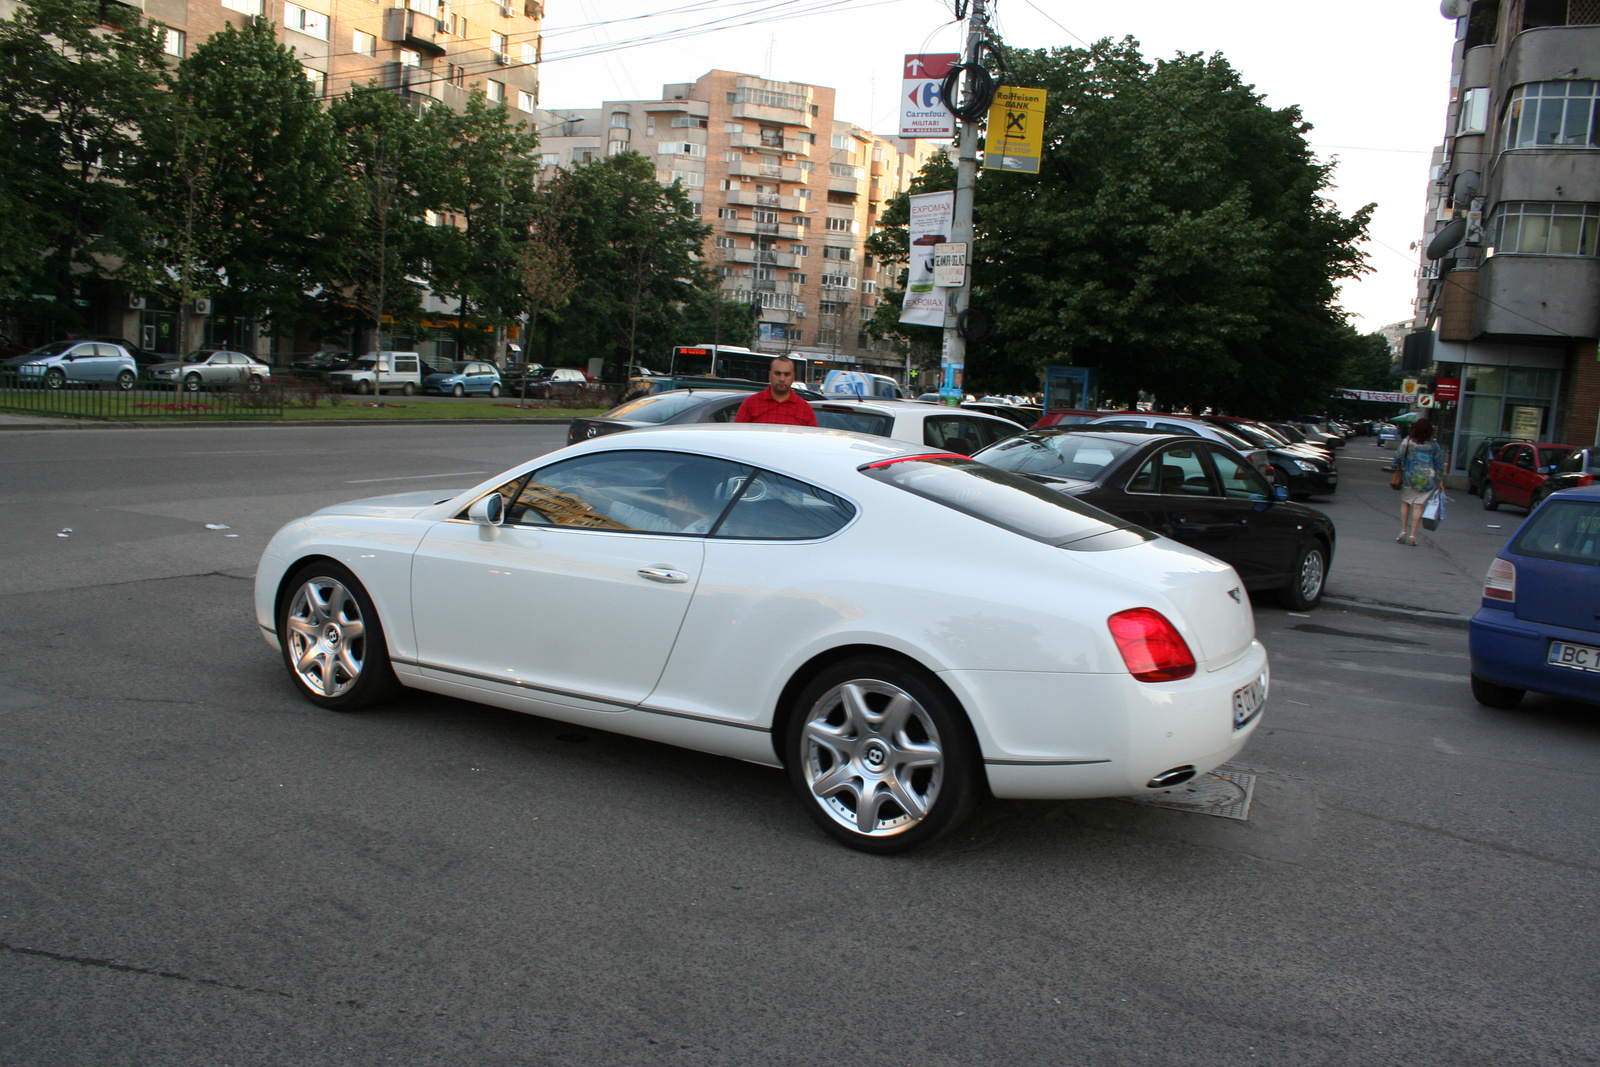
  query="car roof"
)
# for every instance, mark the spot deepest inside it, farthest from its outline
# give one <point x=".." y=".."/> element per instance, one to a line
<point x="800" y="449"/>
<point x="1129" y="435"/>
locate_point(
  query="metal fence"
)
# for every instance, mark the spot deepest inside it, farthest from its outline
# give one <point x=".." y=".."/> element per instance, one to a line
<point x="144" y="401"/>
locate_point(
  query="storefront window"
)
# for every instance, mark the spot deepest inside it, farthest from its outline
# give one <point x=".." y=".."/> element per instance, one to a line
<point x="1504" y="402"/>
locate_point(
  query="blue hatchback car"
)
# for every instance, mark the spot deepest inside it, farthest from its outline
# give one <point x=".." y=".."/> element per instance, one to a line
<point x="464" y="377"/>
<point x="1539" y="627"/>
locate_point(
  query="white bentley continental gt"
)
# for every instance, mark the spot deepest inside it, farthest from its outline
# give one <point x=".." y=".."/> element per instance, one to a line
<point x="900" y="629"/>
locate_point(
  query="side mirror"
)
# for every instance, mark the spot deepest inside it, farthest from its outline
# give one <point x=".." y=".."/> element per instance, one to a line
<point x="1280" y="492"/>
<point x="488" y="510"/>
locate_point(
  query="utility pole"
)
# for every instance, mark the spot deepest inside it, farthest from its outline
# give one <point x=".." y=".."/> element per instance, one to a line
<point x="954" y="350"/>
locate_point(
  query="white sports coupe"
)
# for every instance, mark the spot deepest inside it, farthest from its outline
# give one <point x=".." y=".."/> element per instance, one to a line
<point x="899" y="629"/>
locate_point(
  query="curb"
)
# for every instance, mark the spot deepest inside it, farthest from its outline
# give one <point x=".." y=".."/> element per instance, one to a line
<point x="68" y="423"/>
<point x="1362" y="606"/>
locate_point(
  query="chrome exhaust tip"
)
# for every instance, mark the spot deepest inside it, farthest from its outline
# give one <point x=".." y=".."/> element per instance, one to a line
<point x="1168" y="779"/>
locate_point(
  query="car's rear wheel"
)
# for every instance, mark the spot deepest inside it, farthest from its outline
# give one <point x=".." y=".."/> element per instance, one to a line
<point x="332" y="639"/>
<point x="1495" y="695"/>
<point x="459" y="390"/>
<point x="881" y="755"/>
<point x="1491" y="499"/>
<point x="125" y="380"/>
<point x="1307" y="578"/>
<point x="494" y="390"/>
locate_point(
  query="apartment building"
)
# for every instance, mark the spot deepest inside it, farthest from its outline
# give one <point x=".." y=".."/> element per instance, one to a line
<point x="1509" y="291"/>
<point x="791" y="191"/>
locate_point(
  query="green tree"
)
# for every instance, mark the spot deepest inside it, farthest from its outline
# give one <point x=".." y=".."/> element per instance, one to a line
<point x="77" y="81"/>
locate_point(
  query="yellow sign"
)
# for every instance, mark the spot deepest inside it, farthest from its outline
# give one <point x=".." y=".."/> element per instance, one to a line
<point x="1409" y="387"/>
<point x="1016" y="130"/>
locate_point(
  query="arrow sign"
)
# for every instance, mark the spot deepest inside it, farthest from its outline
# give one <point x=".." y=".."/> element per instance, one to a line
<point x="922" y="110"/>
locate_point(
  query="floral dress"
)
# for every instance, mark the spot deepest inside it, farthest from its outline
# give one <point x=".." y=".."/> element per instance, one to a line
<point x="1419" y="468"/>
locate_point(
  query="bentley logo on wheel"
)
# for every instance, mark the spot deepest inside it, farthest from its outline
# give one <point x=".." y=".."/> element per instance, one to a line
<point x="1238" y="597"/>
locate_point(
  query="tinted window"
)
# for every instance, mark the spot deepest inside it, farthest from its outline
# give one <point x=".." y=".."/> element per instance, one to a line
<point x="1174" y="471"/>
<point x="961" y="434"/>
<point x="778" y="508"/>
<point x="1239" y="479"/>
<point x="854" y="419"/>
<point x="657" y="492"/>
<point x="1562" y="529"/>
<point x="1177" y="427"/>
<point x="105" y="351"/>
<point x="1007" y="500"/>
<point x="1232" y="440"/>
<point x="54" y="348"/>
<point x="657" y="407"/>
<point x="1059" y="455"/>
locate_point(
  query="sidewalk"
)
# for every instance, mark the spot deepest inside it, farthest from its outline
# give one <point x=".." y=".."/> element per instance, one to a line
<point x="1442" y="576"/>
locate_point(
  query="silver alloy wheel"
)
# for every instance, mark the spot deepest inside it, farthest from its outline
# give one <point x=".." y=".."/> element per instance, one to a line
<point x="327" y="636"/>
<point x="872" y="757"/>
<point x="192" y="383"/>
<point x="1311" y="575"/>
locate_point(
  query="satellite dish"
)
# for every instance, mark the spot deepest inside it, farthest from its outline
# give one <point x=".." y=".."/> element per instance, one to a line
<point x="1447" y="238"/>
<point x="1455" y="9"/>
<point x="1467" y="185"/>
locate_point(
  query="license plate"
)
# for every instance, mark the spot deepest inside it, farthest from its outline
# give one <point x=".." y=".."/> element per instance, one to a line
<point x="1247" y="701"/>
<point x="1332" y="478"/>
<point x="1577" y="657"/>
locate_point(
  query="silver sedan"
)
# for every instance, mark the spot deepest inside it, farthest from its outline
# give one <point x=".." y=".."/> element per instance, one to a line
<point x="200" y="369"/>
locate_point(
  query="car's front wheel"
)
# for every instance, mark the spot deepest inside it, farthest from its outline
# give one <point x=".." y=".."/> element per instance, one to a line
<point x="1495" y="695"/>
<point x="1306" y="579"/>
<point x="408" y="389"/>
<point x="333" y="640"/>
<point x="55" y="379"/>
<point x="459" y="390"/>
<point x="191" y="384"/>
<point x="364" y="388"/>
<point x="1491" y="499"/>
<point x="881" y="755"/>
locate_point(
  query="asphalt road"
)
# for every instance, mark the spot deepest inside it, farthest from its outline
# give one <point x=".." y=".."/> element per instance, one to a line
<point x="197" y="867"/>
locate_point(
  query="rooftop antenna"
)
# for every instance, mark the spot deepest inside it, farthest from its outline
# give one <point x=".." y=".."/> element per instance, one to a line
<point x="772" y="43"/>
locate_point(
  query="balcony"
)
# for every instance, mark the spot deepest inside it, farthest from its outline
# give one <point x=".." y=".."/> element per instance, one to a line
<point x="771" y="171"/>
<point x="760" y="257"/>
<point x="844" y="185"/>
<point x="777" y="115"/>
<point x="786" y="230"/>
<point x="760" y="285"/>
<point x="1538" y="296"/>
<point x="412" y="81"/>
<point x="413" y="29"/>
<point x="769" y="200"/>
<point x="796" y="145"/>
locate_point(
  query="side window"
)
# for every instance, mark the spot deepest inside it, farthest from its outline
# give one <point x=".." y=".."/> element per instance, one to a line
<point x="405" y="366"/>
<point x="987" y="433"/>
<point x="726" y="411"/>
<point x="658" y="492"/>
<point x="1525" y="458"/>
<point x="1177" y="427"/>
<point x="1120" y="422"/>
<point x="951" y="432"/>
<point x="1240" y="480"/>
<point x="776" y="508"/>
<point x="107" y="351"/>
<point x="1174" y="471"/>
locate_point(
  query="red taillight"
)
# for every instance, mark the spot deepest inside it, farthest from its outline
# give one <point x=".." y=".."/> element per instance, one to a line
<point x="1151" y="646"/>
<point x="1501" y="581"/>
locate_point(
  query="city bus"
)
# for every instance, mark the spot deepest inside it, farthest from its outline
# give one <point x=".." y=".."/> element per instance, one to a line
<point x="730" y="361"/>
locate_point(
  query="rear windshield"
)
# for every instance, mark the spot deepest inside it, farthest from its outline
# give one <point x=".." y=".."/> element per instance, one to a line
<point x="1562" y="529"/>
<point x="843" y="418"/>
<point x="657" y="407"/>
<point x="1059" y="455"/>
<point x="1007" y="500"/>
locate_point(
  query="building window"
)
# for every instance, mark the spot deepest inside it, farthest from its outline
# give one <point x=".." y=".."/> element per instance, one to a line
<point x="524" y="100"/>
<point x="172" y="43"/>
<point x="803" y="164"/>
<point x="838" y="225"/>
<point x="732" y="127"/>
<point x="616" y="148"/>
<point x="530" y="52"/>
<point x="458" y="25"/>
<point x="727" y="242"/>
<point x="691" y="179"/>
<point x="584" y="155"/>
<point x="732" y="156"/>
<point x="408" y="58"/>
<point x="456" y="76"/>
<point x="1552" y="114"/>
<point x="841" y="140"/>
<point x="1537" y="229"/>
<point x="797" y="278"/>
<point x="318" y="80"/>
<point x="799" y="250"/>
<point x="497" y="43"/>
<point x="550" y="159"/>
<point x="621" y="120"/>
<point x="246" y="7"/>
<point x="688" y="122"/>
<point x="764" y="216"/>
<point x="844" y="170"/>
<point x="310" y="23"/>
<point x="843" y="255"/>
<point x="1474" y="112"/>
<point x="727" y="212"/>
<point x="495" y="91"/>
<point x="363" y="44"/>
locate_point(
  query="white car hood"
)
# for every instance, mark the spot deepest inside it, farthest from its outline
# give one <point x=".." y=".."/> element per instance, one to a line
<point x="394" y="506"/>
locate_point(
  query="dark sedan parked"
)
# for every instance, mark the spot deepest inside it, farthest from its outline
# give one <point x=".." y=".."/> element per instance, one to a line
<point x="1304" y="470"/>
<point x="1579" y="469"/>
<point x="1190" y="489"/>
<point x="661" y="409"/>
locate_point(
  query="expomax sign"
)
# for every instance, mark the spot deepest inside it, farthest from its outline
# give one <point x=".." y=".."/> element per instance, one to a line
<point x="922" y="110"/>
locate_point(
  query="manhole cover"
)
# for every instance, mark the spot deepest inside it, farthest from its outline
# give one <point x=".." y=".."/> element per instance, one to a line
<point x="1226" y="796"/>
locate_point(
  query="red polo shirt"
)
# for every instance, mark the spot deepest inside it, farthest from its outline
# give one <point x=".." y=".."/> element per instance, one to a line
<point x="790" y="411"/>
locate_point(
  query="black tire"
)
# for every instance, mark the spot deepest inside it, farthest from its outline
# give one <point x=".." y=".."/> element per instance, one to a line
<point x="191" y="384"/>
<point x="55" y="379"/>
<point x="848" y="742"/>
<point x="1307" y="578"/>
<point x="1491" y="501"/>
<point x="1536" y="498"/>
<point x="1495" y="695"/>
<point x="459" y="390"/>
<point x="364" y="387"/>
<point x="125" y="381"/>
<point x="256" y="383"/>
<point x="373" y="680"/>
<point x="494" y="390"/>
<point x="408" y="389"/>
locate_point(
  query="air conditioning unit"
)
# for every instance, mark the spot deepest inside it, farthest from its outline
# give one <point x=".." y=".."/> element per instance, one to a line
<point x="202" y="307"/>
<point x="135" y="303"/>
<point x="502" y="58"/>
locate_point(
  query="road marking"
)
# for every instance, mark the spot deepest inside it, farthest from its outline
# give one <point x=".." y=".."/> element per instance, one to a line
<point x="412" y="477"/>
<point x="1444" y="746"/>
<point x="1398" y="672"/>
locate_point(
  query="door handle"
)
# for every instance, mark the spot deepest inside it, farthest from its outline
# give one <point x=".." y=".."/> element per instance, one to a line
<point x="661" y="574"/>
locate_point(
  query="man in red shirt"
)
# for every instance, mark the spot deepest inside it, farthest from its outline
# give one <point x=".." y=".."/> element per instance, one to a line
<point x="777" y="403"/>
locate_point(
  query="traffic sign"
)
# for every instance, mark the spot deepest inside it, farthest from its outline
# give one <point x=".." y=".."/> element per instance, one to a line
<point x="922" y="110"/>
<point x="1015" y="139"/>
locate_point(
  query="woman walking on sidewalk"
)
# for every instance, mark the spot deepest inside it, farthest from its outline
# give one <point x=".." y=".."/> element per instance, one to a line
<point x="1419" y="463"/>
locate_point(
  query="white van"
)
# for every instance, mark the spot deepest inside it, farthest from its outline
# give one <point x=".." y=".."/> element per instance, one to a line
<point x="378" y="372"/>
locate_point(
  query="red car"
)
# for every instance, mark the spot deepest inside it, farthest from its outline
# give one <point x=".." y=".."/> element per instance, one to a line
<point x="1517" y="472"/>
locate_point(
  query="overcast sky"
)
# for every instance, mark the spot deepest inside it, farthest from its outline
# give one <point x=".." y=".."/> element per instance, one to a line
<point x="1372" y="76"/>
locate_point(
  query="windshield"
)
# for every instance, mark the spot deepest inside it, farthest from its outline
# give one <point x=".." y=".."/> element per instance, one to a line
<point x="364" y="364"/>
<point x="197" y="357"/>
<point x="1563" y="529"/>
<point x="1294" y="435"/>
<point x="1233" y="440"/>
<point x="456" y="368"/>
<point x="1249" y="433"/>
<point x="1058" y="455"/>
<point x="657" y="407"/>
<point x="54" y="348"/>
<point x="1007" y="500"/>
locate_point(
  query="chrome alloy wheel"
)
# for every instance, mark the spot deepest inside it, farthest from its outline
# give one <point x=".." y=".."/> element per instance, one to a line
<point x="327" y="637"/>
<point x="1312" y="572"/>
<point x="872" y="757"/>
